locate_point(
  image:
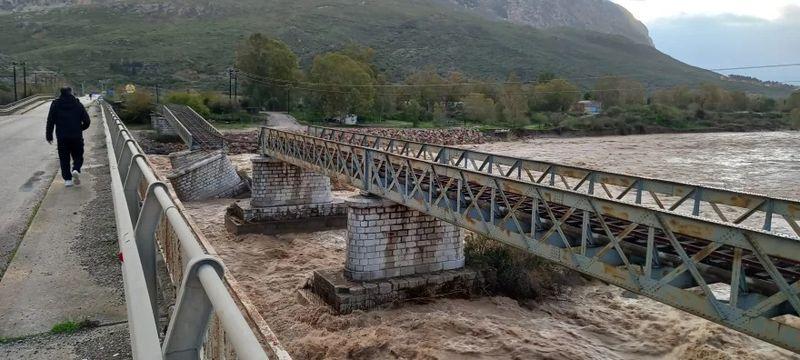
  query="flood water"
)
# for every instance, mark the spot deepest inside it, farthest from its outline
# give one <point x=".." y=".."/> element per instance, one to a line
<point x="766" y="162"/>
<point x="591" y="321"/>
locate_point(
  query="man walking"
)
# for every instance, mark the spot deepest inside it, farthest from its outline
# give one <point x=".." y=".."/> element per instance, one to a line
<point x="69" y="118"/>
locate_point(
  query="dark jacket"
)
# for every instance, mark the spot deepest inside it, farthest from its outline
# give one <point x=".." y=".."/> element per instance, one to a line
<point x="68" y="117"/>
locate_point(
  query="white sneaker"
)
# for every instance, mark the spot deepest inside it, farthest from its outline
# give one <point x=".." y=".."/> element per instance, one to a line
<point x="76" y="177"/>
<point x="68" y="183"/>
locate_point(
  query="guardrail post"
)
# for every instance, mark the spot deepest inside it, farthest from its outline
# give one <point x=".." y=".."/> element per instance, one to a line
<point x="192" y="313"/>
<point x="130" y="184"/>
<point x="145" y="236"/>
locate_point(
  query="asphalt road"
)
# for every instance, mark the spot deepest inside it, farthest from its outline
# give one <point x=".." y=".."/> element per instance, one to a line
<point x="27" y="164"/>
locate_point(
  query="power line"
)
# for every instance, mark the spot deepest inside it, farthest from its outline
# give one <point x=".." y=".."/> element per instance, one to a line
<point x="757" y="67"/>
<point x="577" y="91"/>
<point x="471" y="83"/>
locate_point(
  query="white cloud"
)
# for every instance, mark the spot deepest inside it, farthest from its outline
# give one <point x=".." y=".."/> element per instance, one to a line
<point x="728" y="40"/>
<point x="651" y="10"/>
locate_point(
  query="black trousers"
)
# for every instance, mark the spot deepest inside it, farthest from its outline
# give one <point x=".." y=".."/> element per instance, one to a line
<point x="70" y="149"/>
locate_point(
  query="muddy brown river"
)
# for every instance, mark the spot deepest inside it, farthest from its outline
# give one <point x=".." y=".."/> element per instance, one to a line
<point x="767" y="162"/>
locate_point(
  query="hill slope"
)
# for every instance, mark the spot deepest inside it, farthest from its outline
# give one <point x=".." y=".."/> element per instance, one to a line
<point x="595" y="15"/>
<point x="191" y="43"/>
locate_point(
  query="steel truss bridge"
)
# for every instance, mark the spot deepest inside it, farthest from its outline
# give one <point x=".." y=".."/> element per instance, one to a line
<point x="688" y="246"/>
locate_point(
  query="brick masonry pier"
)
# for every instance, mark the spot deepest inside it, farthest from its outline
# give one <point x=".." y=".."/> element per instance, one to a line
<point x="394" y="254"/>
<point x="385" y="239"/>
<point x="286" y="198"/>
<point x="203" y="175"/>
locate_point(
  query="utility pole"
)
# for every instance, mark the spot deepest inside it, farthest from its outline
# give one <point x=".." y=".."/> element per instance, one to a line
<point x="236" y="84"/>
<point x="157" y="97"/>
<point x="288" y="99"/>
<point x="24" y="79"/>
<point x="14" y="66"/>
<point x="230" y="85"/>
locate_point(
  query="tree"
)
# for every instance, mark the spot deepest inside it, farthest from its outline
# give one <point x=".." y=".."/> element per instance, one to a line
<point x="270" y="69"/>
<point x="426" y="87"/>
<point x="137" y="107"/>
<point x="344" y="86"/>
<point x="412" y="111"/>
<point x="617" y="91"/>
<point x="738" y="101"/>
<point x="555" y="95"/>
<point x="545" y="77"/>
<point x="795" y="117"/>
<point x="479" y="107"/>
<point x="793" y="102"/>
<point x="713" y="97"/>
<point x="679" y="96"/>
<point x="515" y="106"/>
<point x="763" y="104"/>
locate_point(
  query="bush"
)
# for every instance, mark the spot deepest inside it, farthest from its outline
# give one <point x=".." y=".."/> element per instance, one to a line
<point x="795" y="118"/>
<point x="136" y="108"/>
<point x="613" y="111"/>
<point x="512" y="272"/>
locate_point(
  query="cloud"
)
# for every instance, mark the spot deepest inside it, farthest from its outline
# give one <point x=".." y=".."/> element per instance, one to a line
<point x="729" y="40"/>
<point x="650" y="10"/>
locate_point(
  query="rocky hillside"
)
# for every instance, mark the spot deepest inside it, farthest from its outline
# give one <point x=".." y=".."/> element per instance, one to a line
<point x="596" y="15"/>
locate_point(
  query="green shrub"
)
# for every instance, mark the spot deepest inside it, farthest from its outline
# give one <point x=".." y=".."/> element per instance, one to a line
<point x="512" y="272"/>
<point x="613" y="111"/>
<point x="795" y="119"/>
<point x="136" y="108"/>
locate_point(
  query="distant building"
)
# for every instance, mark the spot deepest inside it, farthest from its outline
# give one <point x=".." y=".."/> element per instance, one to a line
<point x="589" y="107"/>
<point x="349" y="119"/>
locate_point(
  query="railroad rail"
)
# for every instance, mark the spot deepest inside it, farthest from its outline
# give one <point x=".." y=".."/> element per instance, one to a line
<point x="743" y="278"/>
<point x="146" y="212"/>
<point x="769" y="213"/>
<point x="195" y="130"/>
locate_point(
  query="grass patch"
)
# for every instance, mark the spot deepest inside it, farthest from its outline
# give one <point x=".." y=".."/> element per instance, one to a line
<point x="8" y="340"/>
<point x="515" y="273"/>
<point x="69" y="326"/>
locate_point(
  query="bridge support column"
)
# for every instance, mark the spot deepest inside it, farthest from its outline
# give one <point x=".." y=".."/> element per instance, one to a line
<point x="386" y="239"/>
<point x="277" y="183"/>
<point x="394" y="253"/>
<point x="286" y="198"/>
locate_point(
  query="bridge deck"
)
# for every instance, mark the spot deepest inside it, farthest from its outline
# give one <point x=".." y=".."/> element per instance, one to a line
<point x="202" y="134"/>
<point x="671" y="257"/>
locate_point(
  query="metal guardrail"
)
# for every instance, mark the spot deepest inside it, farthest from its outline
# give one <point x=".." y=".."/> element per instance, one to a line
<point x="202" y="289"/>
<point x="13" y="107"/>
<point x="676" y="259"/>
<point x="705" y="201"/>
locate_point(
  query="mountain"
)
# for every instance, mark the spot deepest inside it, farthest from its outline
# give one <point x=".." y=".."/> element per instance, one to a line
<point x="191" y="43"/>
<point x="595" y="15"/>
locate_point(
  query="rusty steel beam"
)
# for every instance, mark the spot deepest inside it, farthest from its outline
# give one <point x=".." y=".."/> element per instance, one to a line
<point x="750" y="209"/>
<point x="673" y="258"/>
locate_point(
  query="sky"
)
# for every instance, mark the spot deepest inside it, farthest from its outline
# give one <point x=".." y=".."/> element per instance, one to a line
<point x="726" y="33"/>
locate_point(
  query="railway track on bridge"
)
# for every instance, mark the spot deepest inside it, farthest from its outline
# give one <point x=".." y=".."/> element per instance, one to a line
<point x="193" y="128"/>
<point x="681" y="259"/>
